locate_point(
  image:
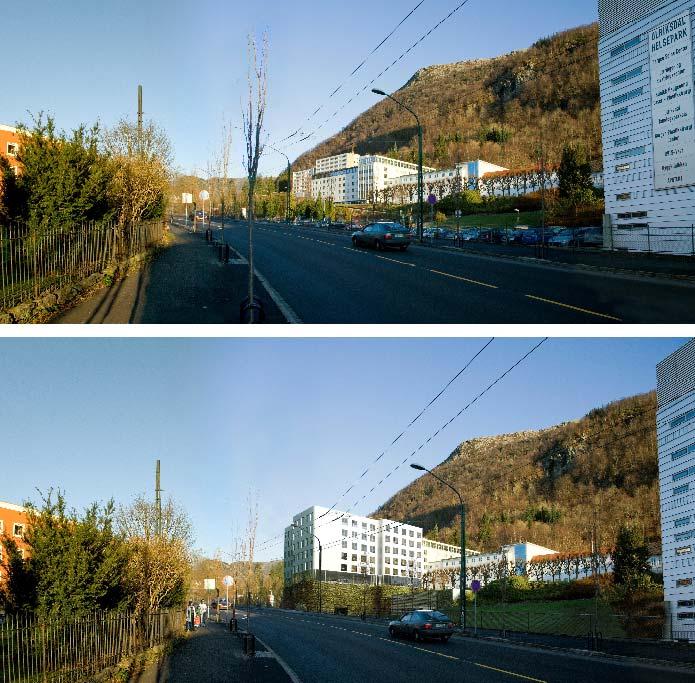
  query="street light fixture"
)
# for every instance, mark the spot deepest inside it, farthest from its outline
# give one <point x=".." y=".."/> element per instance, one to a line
<point x="289" y="181"/>
<point x="420" y="183"/>
<point x="296" y="526"/>
<point x="462" y="571"/>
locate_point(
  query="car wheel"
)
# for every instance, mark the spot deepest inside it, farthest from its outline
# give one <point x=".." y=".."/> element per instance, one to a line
<point x="417" y="636"/>
<point x="379" y="246"/>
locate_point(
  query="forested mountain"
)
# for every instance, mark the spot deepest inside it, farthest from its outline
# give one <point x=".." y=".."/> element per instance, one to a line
<point x="504" y="110"/>
<point x="546" y="486"/>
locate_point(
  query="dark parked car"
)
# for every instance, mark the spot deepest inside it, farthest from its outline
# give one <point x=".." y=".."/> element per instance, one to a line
<point x="383" y="235"/>
<point x="422" y="624"/>
<point x="590" y="237"/>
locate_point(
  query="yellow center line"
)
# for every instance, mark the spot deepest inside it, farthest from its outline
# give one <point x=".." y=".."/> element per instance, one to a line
<point x="465" y="279"/>
<point x="511" y="673"/>
<point x="393" y="260"/>
<point x="422" y="649"/>
<point x="574" y="308"/>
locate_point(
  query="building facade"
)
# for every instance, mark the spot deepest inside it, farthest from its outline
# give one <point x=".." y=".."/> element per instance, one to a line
<point x="13" y="523"/>
<point x="648" y="123"/>
<point x="355" y="548"/>
<point x="9" y="145"/>
<point x="301" y="183"/>
<point x="675" y="426"/>
<point x="339" y="186"/>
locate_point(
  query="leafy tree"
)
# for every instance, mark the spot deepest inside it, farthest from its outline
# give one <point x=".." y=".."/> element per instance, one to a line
<point x="630" y="558"/>
<point x="18" y="592"/>
<point x="76" y="563"/>
<point x="159" y="558"/>
<point x="574" y="174"/>
<point x="64" y="178"/>
<point x="10" y="195"/>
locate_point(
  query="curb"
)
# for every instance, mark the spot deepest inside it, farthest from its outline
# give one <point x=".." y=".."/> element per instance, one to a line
<point x="585" y="653"/>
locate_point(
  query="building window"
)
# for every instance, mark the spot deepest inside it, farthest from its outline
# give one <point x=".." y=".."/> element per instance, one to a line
<point x="684" y="550"/>
<point x="12" y="149"/>
<point x="343" y="567"/>
<point x="354" y="569"/>
<point x="626" y="45"/>
<point x="623" y="196"/>
<point x="626" y="153"/>
<point x="18" y="530"/>
<point x="345" y="533"/>
<point x="387" y="570"/>
<point x="683" y="521"/>
<point x="617" y="113"/>
<point x="343" y="556"/>
<point x="626" y="76"/>
<point x="686" y="615"/>
<point x="686" y="603"/>
<point x="620" y="142"/>
<point x="681" y="583"/>
<point x="344" y="544"/>
<point x="683" y="488"/>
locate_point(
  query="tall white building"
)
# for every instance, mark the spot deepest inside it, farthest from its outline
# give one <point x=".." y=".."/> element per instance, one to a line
<point x="376" y="171"/>
<point x="354" y="548"/>
<point x="675" y="427"/>
<point x="301" y="183"/>
<point x="648" y="123"/>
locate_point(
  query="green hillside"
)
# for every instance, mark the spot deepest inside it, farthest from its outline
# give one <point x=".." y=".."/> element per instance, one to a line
<point x="502" y="110"/>
<point x="546" y="486"/>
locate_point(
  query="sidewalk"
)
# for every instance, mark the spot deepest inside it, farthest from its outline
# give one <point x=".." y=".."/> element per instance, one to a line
<point x="185" y="283"/>
<point x="214" y="655"/>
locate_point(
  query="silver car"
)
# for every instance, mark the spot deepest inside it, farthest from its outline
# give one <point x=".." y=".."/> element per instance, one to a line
<point x="383" y="235"/>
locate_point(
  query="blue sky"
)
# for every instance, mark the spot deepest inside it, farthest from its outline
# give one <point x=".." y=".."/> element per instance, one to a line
<point x="82" y="60"/>
<point x="293" y="419"/>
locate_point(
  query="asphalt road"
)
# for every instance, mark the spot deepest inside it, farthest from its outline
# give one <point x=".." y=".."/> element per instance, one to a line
<point x="320" y="649"/>
<point x="325" y="280"/>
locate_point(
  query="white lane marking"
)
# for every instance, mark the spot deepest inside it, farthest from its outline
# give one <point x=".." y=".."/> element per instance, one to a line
<point x="393" y="260"/>
<point x="284" y="307"/>
<point x="292" y="675"/>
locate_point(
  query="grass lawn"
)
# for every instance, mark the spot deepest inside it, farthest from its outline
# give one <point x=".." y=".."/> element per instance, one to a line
<point x="566" y="617"/>
<point x="497" y="220"/>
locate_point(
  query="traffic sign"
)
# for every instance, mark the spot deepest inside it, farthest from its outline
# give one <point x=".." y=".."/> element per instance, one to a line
<point x="432" y="200"/>
<point x="475" y="585"/>
<point x="228" y="581"/>
<point x="458" y="213"/>
<point x="204" y="195"/>
<point x="186" y="198"/>
<point x="209" y="584"/>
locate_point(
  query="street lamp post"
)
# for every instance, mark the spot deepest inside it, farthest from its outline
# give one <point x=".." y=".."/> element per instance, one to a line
<point x="420" y="183"/>
<point x="462" y="571"/>
<point x="296" y="526"/>
<point x="289" y="182"/>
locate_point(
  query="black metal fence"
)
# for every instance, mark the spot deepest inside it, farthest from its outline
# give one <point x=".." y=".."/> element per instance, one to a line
<point x="33" y="262"/>
<point x="62" y="651"/>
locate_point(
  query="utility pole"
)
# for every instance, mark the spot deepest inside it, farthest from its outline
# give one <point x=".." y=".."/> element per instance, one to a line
<point x="158" y="501"/>
<point x="139" y="119"/>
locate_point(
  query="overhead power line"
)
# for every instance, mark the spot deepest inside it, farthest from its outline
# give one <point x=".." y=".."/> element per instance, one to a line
<point x="354" y="71"/>
<point x="489" y="387"/>
<point x="410" y="424"/>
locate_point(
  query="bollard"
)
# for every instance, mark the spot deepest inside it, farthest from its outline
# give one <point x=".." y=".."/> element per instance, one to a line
<point x="249" y="644"/>
<point x="208" y="235"/>
<point x="251" y="312"/>
<point x="233" y="626"/>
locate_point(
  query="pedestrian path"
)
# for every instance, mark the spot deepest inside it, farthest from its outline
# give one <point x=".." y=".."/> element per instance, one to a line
<point x="213" y="654"/>
<point x="185" y="283"/>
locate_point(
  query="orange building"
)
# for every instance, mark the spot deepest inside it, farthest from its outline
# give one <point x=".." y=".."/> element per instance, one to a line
<point x="13" y="523"/>
<point x="9" y="145"/>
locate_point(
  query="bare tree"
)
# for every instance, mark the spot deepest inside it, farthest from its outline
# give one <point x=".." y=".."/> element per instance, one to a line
<point x="252" y="116"/>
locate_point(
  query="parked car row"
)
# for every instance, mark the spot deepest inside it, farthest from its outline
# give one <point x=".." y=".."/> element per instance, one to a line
<point x="552" y="235"/>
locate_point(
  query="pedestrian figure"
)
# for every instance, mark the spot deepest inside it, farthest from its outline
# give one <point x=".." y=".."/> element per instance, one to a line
<point x="203" y="613"/>
<point x="190" y="616"/>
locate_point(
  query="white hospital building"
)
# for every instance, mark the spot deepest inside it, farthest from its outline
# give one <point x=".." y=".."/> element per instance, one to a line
<point x="648" y="124"/>
<point x="675" y="426"/>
